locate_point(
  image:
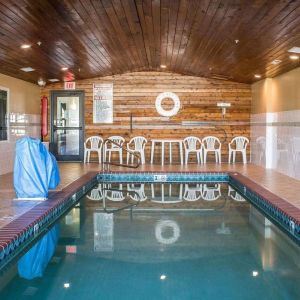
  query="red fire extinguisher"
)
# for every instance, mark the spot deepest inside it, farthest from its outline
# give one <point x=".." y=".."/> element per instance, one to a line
<point x="44" y="116"/>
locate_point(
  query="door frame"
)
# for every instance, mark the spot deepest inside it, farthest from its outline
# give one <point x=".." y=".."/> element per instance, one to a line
<point x="68" y="93"/>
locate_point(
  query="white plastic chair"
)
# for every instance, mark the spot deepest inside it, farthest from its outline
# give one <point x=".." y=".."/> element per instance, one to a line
<point x="233" y="194"/>
<point x="139" y="189"/>
<point x="114" y="195"/>
<point x="136" y="144"/>
<point x="192" y="193"/>
<point x="92" y="144"/>
<point x="111" y="147"/>
<point x="261" y="145"/>
<point x="211" y="193"/>
<point x="238" y="144"/>
<point x="212" y="144"/>
<point x="96" y="194"/>
<point x="192" y="144"/>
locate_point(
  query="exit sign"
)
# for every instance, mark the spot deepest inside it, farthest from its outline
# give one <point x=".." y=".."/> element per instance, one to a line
<point x="70" y="85"/>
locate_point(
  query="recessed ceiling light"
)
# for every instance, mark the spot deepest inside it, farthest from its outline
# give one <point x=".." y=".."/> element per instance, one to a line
<point x="27" y="69"/>
<point x="294" y="50"/>
<point x="163" y="66"/>
<point x="53" y="80"/>
<point x="257" y="76"/>
<point x="64" y="68"/>
<point x="294" y="57"/>
<point x="41" y="82"/>
<point x="276" y="62"/>
<point x="25" y="46"/>
<point x="236" y="41"/>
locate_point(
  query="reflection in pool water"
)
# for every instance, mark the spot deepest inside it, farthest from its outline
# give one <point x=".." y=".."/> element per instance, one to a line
<point x="227" y="251"/>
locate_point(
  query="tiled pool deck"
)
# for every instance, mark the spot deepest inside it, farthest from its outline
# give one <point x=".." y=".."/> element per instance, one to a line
<point x="15" y="216"/>
<point x="283" y="186"/>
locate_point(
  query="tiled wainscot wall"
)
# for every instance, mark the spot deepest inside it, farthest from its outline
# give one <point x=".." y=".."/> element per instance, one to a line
<point x="276" y="141"/>
<point x="19" y="125"/>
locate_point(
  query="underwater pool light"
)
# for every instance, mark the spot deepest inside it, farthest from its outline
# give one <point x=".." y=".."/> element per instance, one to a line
<point x="163" y="277"/>
<point x="254" y="273"/>
<point x="66" y="285"/>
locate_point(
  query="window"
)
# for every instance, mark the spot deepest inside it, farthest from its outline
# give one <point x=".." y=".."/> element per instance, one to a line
<point x="4" y="114"/>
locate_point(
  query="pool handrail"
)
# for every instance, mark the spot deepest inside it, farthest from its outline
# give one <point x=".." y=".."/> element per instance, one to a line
<point x="121" y="208"/>
<point x="119" y="164"/>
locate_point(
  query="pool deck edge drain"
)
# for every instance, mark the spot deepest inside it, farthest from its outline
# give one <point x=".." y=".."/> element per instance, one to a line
<point x="34" y="222"/>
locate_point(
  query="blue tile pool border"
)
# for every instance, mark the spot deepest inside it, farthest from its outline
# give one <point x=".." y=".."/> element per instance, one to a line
<point x="21" y="232"/>
<point x="157" y="177"/>
<point x="281" y="212"/>
<point x="17" y="235"/>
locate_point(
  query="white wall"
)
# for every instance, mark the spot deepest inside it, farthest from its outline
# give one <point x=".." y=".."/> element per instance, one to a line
<point x="275" y="140"/>
<point x="24" y="115"/>
<point x="275" y="123"/>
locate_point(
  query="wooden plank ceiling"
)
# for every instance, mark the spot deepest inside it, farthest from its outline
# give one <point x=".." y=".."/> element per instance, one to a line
<point x="105" y="37"/>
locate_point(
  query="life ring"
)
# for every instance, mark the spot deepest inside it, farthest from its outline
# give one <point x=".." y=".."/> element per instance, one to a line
<point x="162" y="226"/>
<point x="161" y="110"/>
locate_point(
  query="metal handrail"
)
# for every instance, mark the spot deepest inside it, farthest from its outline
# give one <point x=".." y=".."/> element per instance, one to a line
<point x="131" y="206"/>
<point x="117" y="164"/>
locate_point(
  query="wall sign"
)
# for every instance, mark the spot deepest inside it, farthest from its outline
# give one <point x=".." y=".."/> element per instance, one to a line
<point x="70" y="85"/>
<point x="103" y="103"/>
<point x="161" y="110"/>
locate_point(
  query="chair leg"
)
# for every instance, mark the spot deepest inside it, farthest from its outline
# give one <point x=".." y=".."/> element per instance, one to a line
<point x="84" y="157"/>
<point x="244" y="156"/>
<point x="229" y="156"/>
<point x="127" y="160"/>
<point x="205" y="154"/>
<point x="89" y="156"/>
<point x="216" y="156"/>
<point x="219" y="152"/>
<point x="152" y="190"/>
<point x="109" y="156"/>
<point x="143" y="157"/>
<point x="99" y="156"/>
<point x="201" y="156"/>
<point x="121" y="156"/>
<point x="234" y="156"/>
<point x="186" y="157"/>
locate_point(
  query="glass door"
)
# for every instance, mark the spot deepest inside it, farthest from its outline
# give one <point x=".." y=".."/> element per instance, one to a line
<point x="67" y="125"/>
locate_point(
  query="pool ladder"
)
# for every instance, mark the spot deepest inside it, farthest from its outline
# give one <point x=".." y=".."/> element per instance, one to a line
<point x="129" y="206"/>
<point x="106" y="164"/>
<point x="105" y="167"/>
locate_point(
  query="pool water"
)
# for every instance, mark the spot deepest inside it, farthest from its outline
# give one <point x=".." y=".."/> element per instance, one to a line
<point x="215" y="251"/>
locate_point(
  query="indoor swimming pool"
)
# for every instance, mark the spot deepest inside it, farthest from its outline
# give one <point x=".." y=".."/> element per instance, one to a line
<point x="182" y="241"/>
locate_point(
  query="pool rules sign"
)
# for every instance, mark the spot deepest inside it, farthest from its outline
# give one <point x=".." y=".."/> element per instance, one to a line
<point x="102" y="103"/>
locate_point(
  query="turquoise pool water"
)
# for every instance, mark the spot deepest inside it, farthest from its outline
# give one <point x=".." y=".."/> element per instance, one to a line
<point x="202" y="249"/>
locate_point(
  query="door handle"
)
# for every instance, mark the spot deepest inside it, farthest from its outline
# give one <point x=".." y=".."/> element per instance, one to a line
<point x="66" y="128"/>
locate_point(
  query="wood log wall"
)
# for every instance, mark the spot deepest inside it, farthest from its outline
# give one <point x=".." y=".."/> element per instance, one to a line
<point x="135" y="94"/>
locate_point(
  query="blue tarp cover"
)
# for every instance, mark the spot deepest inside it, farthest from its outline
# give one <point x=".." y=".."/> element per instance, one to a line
<point x="35" y="169"/>
<point x="35" y="261"/>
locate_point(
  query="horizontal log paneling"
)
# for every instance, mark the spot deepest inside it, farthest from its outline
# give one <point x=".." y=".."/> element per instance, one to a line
<point x="135" y="94"/>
